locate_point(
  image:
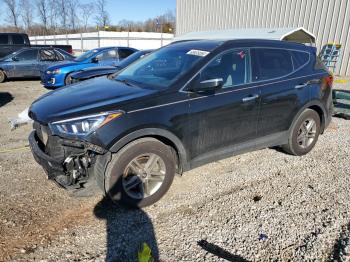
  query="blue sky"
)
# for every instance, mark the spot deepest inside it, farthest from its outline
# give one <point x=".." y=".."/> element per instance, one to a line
<point x="137" y="10"/>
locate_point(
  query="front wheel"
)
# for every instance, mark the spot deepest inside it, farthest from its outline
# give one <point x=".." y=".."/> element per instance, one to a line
<point x="304" y="133"/>
<point x="68" y="80"/>
<point x="140" y="173"/>
<point x="2" y="76"/>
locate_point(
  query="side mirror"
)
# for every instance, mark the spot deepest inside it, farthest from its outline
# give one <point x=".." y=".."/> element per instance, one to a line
<point x="209" y="85"/>
<point x="94" y="60"/>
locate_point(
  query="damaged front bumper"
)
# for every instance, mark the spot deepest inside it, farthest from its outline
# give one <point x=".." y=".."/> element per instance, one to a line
<point x="81" y="165"/>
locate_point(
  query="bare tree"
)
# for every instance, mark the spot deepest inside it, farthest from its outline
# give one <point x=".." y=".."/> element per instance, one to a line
<point x="102" y="16"/>
<point x="73" y="19"/>
<point x="13" y="14"/>
<point x="27" y="11"/>
<point x="86" y="11"/>
<point x="63" y="9"/>
<point x="43" y="12"/>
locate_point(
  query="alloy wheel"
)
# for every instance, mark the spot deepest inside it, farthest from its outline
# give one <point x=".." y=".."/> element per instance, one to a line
<point x="143" y="176"/>
<point x="307" y="133"/>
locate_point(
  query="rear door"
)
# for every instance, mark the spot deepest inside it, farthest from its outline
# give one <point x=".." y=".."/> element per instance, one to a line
<point x="47" y="56"/>
<point x="25" y="63"/>
<point x="227" y="118"/>
<point x="283" y="88"/>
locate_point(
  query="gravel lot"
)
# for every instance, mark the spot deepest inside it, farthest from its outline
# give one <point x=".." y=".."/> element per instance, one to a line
<point x="259" y="206"/>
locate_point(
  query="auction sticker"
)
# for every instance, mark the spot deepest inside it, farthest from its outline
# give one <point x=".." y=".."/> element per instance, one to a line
<point x="197" y="52"/>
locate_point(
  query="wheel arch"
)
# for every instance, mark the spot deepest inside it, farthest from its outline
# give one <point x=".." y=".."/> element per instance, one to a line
<point x="316" y="106"/>
<point x="162" y="135"/>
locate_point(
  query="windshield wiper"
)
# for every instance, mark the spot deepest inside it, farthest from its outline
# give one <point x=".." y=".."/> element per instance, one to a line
<point x="124" y="81"/>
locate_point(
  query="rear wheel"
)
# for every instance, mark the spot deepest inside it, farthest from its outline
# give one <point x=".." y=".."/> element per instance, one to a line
<point x="304" y="134"/>
<point x="141" y="173"/>
<point x="2" y="76"/>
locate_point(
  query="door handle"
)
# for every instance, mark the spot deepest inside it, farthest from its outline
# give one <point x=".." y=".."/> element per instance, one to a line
<point x="250" y="98"/>
<point x="300" y="86"/>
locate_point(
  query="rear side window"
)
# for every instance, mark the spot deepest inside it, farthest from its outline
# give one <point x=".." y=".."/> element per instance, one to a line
<point x="4" y="40"/>
<point x="300" y="59"/>
<point x="47" y="55"/>
<point x="268" y="63"/>
<point x="124" y="53"/>
<point x="17" y="40"/>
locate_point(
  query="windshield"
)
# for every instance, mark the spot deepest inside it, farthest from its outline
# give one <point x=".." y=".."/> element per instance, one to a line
<point x="132" y="58"/>
<point x="86" y="55"/>
<point x="163" y="67"/>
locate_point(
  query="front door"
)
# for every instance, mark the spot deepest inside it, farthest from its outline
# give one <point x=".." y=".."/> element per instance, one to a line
<point x="25" y="62"/>
<point x="227" y="118"/>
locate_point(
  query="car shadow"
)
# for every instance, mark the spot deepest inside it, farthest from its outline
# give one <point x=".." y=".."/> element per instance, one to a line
<point x="220" y="252"/>
<point x="127" y="231"/>
<point x="5" y="98"/>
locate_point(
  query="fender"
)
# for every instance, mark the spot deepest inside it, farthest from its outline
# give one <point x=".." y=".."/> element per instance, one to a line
<point x="154" y="132"/>
<point x="315" y="103"/>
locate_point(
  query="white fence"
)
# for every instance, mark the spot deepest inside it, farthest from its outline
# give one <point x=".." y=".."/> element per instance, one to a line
<point x="86" y="41"/>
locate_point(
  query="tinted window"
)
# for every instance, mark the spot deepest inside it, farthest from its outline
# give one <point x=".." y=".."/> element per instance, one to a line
<point x="270" y="63"/>
<point x="230" y="66"/>
<point x="123" y="52"/>
<point x="299" y="59"/>
<point x="17" y="40"/>
<point x="110" y="54"/>
<point x="47" y="55"/>
<point x="27" y="55"/>
<point x="4" y="40"/>
<point x="60" y="56"/>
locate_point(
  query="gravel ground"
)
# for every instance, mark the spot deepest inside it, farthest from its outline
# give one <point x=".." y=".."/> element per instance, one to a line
<point x="259" y="206"/>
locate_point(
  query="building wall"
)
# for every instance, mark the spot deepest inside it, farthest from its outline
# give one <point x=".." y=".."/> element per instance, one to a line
<point x="329" y="20"/>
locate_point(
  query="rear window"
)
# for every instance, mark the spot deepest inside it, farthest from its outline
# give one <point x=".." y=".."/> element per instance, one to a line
<point x="268" y="63"/>
<point x="300" y="59"/>
<point x="17" y="40"/>
<point x="4" y="39"/>
<point x="319" y="65"/>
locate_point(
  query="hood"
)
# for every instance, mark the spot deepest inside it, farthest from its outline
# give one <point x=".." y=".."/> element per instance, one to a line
<point x="94" y="71"/>
<point x="90" y="97"/>
<point x="62" y="64"/>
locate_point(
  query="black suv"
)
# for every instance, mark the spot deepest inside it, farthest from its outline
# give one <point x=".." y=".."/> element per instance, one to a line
<point x="187" y="104"/>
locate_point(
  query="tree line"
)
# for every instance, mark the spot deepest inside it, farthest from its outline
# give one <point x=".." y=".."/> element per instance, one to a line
<point x="46" y="17"/>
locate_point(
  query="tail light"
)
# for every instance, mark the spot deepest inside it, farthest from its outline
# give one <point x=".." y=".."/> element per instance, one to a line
<point x="329" y="80"/>
<point x="70" y="50"/>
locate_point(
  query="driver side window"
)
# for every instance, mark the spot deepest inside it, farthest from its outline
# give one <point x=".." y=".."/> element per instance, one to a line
<point x="231" y="67"/>
<point x="27" y="55"/>
<point x="110" y="54"/>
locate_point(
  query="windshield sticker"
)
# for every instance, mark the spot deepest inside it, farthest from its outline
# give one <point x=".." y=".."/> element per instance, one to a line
<point x="197" y="52"/>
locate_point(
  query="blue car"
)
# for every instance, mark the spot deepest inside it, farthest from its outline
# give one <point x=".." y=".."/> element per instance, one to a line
<point x="60" y="74"/>
<point x="30" y="61"/>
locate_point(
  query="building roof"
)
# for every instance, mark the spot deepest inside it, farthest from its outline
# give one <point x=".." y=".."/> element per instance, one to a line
<point x="296" y="34"/>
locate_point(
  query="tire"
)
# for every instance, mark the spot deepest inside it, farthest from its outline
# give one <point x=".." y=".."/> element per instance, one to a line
<point x="128" y="179"/>
<point x="68" y="80"/>
<point x="2" y="76"/>
<point x="304" y="133"/>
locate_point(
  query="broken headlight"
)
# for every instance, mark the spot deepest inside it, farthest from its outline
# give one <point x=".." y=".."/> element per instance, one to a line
<point x="83" y="126"/>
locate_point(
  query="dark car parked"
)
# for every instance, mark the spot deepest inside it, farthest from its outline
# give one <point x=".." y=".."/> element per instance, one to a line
<point x="182" y="106"/>
<point x="88" y="73"/>
<point x="11" y="42"/>
<point x="29" y="62"/>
